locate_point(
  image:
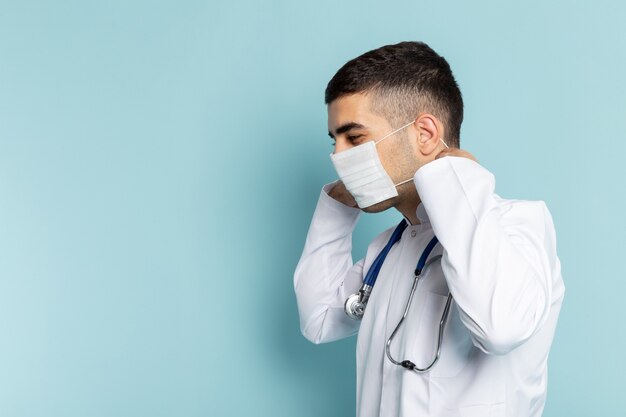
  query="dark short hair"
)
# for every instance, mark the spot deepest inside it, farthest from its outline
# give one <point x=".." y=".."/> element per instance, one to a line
<point x="404" y="79"/>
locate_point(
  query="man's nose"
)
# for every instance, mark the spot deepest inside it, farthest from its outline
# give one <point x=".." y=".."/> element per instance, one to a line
<point x="341" y="145"/>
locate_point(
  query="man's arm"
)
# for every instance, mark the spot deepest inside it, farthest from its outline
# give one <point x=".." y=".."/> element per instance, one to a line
<point x="498" y="258"/>
<point x="325" y="275"/>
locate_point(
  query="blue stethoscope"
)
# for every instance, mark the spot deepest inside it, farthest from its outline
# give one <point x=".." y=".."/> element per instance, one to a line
<point x="356" y="303"/>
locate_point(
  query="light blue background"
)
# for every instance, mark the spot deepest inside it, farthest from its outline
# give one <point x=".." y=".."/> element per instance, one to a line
<point x="160" y="162"/>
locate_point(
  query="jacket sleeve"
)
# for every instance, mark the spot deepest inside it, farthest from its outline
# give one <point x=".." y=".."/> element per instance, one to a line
<point x="325" y="275"/>
<point x="496" y="256"/>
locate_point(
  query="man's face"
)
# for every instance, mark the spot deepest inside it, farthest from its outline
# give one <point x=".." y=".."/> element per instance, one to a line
<point x="351" y="123"/>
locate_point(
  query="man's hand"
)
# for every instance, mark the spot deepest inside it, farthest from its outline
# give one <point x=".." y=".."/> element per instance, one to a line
<point x="455" y="152"/>
<point x="339" y="193"/>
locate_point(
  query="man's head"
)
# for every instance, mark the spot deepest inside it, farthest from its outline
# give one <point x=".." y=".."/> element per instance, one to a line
<point x="386" y="88"/>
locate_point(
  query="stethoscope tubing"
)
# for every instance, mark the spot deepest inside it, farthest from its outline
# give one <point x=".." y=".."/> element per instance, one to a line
<point x="407" y="364"/>
<point x="355" y="304"/>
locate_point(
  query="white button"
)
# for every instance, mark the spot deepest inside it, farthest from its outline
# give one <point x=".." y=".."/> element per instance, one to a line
<point x="413" y="233"/>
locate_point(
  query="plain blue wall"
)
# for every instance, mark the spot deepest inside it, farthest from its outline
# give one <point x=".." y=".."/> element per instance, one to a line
<point x="160" y="162"/>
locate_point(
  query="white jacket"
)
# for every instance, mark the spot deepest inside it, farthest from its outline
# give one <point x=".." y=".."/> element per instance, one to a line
<point x="499" y="263"/>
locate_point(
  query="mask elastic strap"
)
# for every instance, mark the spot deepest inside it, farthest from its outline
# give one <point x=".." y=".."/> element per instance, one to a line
<point x="402" y="127"/>
<point x="403" y="182"/>
<point x="397" y="130"/>
<point x="411" y="179"/>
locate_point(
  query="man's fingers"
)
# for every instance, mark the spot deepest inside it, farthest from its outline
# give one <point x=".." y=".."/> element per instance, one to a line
<point x="443" y="153"/>
<point x="455" y="152"/>
<point x="341" y="194"/>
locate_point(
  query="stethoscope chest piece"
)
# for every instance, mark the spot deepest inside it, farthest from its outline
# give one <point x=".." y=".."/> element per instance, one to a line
<point x="354" y="307"/>
<point x="356" y="303"/>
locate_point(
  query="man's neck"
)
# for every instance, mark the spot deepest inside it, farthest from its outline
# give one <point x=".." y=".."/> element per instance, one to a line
<point x="408" y="210"/>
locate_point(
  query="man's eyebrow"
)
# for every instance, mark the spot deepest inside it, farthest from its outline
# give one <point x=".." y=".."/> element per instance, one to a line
<point x="346" y="127"/>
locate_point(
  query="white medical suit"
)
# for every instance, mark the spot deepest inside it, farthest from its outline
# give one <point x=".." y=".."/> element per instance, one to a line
<point x="499" y="263"/>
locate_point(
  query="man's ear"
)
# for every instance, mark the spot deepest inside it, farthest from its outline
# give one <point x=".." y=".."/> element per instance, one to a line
<point x="429" y="129"/>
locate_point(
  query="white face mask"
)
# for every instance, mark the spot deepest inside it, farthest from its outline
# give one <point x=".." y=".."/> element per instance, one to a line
<point x="363" y="174"/>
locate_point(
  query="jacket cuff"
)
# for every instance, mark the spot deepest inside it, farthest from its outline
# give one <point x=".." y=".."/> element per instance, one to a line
<point x="455" y="191"/>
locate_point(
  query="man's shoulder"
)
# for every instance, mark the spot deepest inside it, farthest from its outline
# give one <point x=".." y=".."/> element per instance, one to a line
<point x="531" y="221"/>
<point x="523" y="209"/>
<point x="533" y="214"/>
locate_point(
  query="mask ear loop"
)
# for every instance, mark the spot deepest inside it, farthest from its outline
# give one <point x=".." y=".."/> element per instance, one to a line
<point x="411" y="179"/>
<point x="402" y="127"/>
<point x="389" y="134"/>
<point x="403" y="182"/>
<point x="395" y="131"/>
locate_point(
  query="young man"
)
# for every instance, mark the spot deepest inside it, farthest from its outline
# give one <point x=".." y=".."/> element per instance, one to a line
<point x="478" y="328"/>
